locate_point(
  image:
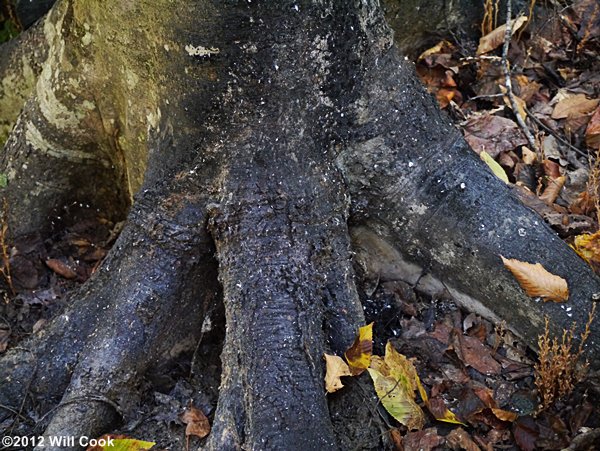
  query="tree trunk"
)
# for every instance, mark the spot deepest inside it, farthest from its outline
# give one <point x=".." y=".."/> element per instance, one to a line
<point x="247" y="137"/>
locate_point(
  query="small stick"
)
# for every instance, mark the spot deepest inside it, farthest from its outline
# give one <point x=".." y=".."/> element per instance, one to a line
<point x="508" y="82"/>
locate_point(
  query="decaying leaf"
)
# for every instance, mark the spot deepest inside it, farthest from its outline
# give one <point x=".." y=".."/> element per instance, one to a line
<point x="495" y="38"/>
<point x="529" y="156"/>
<point x="437" y="408"/>
<point x="359" y="354"/>
<point x="475" y="354"/>
<point x="574" y="105"/>
<point x="395" y="379"/>
<point x="493" y="134"/>
<point x="120" y="443"/>
<point x="397" y="401"/>
<point x="494" y="166"/>
<point x="196" y="422"/>
<point x="435" y="49"/>
<point x="505" y="415"/>
<point x="335" y="367"/>
<point x="552" y="191"/>
<point x="61" y="268"/>
<point x="537" y="281"/>
<point x="460" y="439"/>
<point x="587" y="247"/>
<point x="592" y="132"/>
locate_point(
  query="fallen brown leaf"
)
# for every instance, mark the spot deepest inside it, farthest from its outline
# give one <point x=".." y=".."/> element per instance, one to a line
<point x="574" y="105"/>
<point x="592" y="133"/>
<point x="425" y="440"/>
<point x="493" y="134"/>
<point x="552" y="191"/>
<point x="495" y="38"/>
<point x="61" y="268"/>
<point x="459" y="439"/>
<point x="475" y="354"/>
<point x="537" y="281"/>
<point x="196" y="422"/>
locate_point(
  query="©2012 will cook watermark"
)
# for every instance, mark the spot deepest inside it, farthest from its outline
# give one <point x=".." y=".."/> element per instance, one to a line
<point x="20" y="442"/>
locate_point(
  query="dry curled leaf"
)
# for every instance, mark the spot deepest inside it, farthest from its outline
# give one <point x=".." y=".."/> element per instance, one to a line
<point x="574" y="105"/>
<point x="495" y="38"/>
<point x="553" y="189"/>
<point x="537" y="281"/>
<point x="61" y="268"/>
<point x="335" y="368"/>
<point x="359" y="354"/>
<point x="196" y="422"/>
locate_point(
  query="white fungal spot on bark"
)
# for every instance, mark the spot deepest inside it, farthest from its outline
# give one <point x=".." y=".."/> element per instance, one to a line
<point x="201" y="51"/>
<point x="86" y="39"/>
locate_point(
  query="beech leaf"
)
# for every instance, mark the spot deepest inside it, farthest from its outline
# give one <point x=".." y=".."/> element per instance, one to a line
<point x="537" y="281"/>
<point x="395" y="379"/>
<point x="359" y="354"/>
<point x="335" y="367"/>
<point x="397" y="401"/>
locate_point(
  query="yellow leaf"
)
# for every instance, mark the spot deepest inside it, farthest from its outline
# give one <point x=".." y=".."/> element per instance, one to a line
<point x="120" y="443"/>
<point x="395" y="379"/>
<point x="402" y="369"/>
<point x="588" y="247"/>
<point x="494" y="166"/>
<point x="537" y="281"/>
<point x="449" y="417"/>
<point x="397" y="401"/>
<point x="359" y="354"/>
<point x="335" y="368"/>
<point x="495" y="38"/>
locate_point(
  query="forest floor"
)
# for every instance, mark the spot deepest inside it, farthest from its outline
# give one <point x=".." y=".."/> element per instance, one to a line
<point x="475" y="368"/>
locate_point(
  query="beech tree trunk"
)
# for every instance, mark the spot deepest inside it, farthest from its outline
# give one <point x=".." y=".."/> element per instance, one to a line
<point x="254" y="149"/>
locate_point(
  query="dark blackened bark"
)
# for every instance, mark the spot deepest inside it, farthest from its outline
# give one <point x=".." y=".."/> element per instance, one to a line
<point x="146" y="304"/>
<point x="416" y="184"/>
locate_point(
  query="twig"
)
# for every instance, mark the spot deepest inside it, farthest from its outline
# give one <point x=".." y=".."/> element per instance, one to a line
<point x="556" y="135"/>
<point x="508" y="82"/>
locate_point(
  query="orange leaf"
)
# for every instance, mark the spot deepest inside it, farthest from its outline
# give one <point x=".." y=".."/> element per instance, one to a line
<point x="553" y="189"/>
<point x="359" y="354"/>
<point x="196" y="421"/>
<point x="335" y="368"/>
<point x="61" y="268"/>
<point x="505" y="415"/>
<point x="537" y="281"/>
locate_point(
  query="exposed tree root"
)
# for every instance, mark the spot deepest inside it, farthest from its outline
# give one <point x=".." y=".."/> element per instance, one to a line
<point x="323" y="128"/>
